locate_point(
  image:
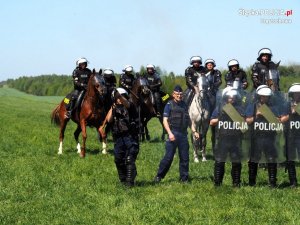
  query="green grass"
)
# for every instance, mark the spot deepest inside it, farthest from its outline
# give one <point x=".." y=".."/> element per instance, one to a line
<point x="37" y="186"/>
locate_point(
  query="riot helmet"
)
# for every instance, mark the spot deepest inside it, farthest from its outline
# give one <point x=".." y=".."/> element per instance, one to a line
<point x="233" y="62"/>
<point x="264" y="51"/>
<point x="194" y="59"/>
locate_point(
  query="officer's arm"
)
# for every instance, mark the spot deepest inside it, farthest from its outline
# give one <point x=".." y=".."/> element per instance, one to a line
<point x="167" y="127"/>
<point x="218" y="80"/>
<point x="158" y="84"/>
<point x="76" y="79"/>
<point x="254" y="76"/>
<point x="189" y="81"/>
<point x="108" y="119"/>
<point x="250" y="120"/>
<point x="244" y="80"/>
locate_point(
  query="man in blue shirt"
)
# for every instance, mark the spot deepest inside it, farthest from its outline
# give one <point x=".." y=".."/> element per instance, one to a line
<point x="176" y="121"/>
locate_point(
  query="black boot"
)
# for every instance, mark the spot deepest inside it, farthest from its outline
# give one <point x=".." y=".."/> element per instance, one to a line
<point x="272" y="171"/>
<point x="121" y="172"/>
<point x="292" y="173"/>
<point x="236" y="174"/>
<point x="130" y="171"/>
<point x="219" y="173"/>
<point x="70" y="108"/>
<point x="252" y="173"/>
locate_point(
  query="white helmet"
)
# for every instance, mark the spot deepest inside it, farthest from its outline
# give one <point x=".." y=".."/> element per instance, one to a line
<point x="150" y="66"/>
<point x="122" y="91"/>
<point x="108" y="72"/>
<point x="210" y="61"/>
<point x="128" y="68"/>
<point x="294" y="88"/>
<point x="264" y="90"/>
<point x="233" y="62"/>
<point x="225" y="90"/>
<point x="81" y="60"/>
<point x="264" y="51"/>
<point x="195" y="59"/>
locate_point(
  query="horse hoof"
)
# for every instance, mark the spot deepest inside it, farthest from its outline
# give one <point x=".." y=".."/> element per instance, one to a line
<point x="204" y="159"/>
<point x="82" y="154"/>
<point x="196" y="160"/>
<point x="59" y="153"/>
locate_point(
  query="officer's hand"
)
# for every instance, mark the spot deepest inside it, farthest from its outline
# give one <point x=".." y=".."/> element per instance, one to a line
<point x="83" y="85"/>
<point x="258" y="113"/>
<point x="171" y="137"/>
<point x="196" y="135"/>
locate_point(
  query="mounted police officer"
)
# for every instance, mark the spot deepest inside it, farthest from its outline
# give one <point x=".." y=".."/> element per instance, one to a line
<point x="264" y="71"/>
<point x="81" y="76"/>
<point x="154" y="82"/>
<point x="127" y="78"/>
<point x="176" y="121"/>
<point x="214" y="78"/>
<point x="124" y="119"/>
<point x="235" y="74"/>
<point x="110" y="80"/>
<point x="293" y="132"/>
<point x="265" y="116"/>
<point x="228" y="118"/>
<point x="191" y="75"/>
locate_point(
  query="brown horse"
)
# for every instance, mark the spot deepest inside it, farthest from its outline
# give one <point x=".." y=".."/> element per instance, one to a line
<point x="142" y="98"/>
<point x="91" y="113"/>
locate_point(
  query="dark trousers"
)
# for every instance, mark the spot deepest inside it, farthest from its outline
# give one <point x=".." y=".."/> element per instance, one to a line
<point x="182" y="144"/>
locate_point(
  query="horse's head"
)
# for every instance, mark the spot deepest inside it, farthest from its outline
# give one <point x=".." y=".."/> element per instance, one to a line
<point x="272" y="79"/>
<point x="203" y="84"/>
<point x="142" y="87"/>
<point x="97" y="83"/>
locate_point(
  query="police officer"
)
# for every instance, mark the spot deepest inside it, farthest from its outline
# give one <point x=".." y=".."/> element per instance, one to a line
<point x="229" y="136"/>
<point x="191" y="75"/>
<point x="264" y="134"/>
<point x="262" y="68"/>
<point x="214" y="78"/>
<point x="155" y="82"/>
<point x="110" y="80"/>
<point x="235" y="74"/>
<point x="127" y="78"/>
<point x="81" y="76"/>
<point x="293" y="132"/>
<point x="176" y="121"/>
<point x="124" y="119"/>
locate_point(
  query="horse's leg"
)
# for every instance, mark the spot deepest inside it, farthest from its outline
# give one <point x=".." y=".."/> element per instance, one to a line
<point x="76" y="136"/>
<point x="84" y="136"/>
<point x="163" y="129"/>
<point x="205" y="125"/>
<point x="146" y="129"/>
<point x="196" y="142"/>
<point x="63" y="126"/>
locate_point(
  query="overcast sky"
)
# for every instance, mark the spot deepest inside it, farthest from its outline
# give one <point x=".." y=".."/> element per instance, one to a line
<point x="46" y="37"/>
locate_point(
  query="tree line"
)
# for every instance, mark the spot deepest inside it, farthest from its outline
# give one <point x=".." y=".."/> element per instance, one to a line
<point x="61" y="85"/>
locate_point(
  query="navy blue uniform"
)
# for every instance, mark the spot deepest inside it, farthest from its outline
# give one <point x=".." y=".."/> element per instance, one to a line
<point x="178" y="118"/>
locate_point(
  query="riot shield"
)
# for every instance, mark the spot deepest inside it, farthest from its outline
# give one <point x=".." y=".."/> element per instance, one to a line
<point x="292" y="131"/>
<point x="267" y="132"/>
<point x="232" y="133"/>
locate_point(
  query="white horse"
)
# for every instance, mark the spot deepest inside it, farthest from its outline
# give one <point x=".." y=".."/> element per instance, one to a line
<point x="199" y="112"/>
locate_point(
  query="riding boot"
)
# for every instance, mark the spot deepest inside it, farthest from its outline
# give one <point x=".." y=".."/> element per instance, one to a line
<point x="70" y="108"/>
<point x="130" y="171"/>
<point x="213" y="137"/>
<point x="236" y="174"/>
<point x="219" y="171"/>
<point x="252" y="173"/>
<point x="189" y="95"/>
<point x="292" y="173"/>
<point x="272" y="171"/>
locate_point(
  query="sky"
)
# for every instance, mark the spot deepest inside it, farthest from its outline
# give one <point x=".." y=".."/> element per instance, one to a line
<point x="47" y="37"/>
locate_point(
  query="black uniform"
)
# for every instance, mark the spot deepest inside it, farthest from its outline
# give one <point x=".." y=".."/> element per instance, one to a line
<point x="126" y="147"/>
<point x="292" y="143"/>
<point x="260" y="73"/>
<point x="80" y="80"/>
<point x="191" y="76"/>
<point x="110" y="83"/>
<point x="126" y="81"/>
<point x="155" y="84"/>
<point x="240" y="74"/>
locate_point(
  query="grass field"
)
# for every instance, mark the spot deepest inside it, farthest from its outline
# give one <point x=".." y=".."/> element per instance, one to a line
<point x="37" y="186"/>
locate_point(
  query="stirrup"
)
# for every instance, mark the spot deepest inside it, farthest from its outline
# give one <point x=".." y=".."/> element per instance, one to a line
<point x="68" y="114"/>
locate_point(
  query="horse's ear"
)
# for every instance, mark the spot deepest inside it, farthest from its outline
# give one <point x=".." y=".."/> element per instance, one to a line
<point x="94" y="71"/>
<point x="100" y="71"/>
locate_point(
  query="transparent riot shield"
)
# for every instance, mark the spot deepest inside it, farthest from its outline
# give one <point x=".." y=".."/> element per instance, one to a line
<point x="267" y="132"/>
<point x="292" y="130"/>
<point x="232" y="132"/>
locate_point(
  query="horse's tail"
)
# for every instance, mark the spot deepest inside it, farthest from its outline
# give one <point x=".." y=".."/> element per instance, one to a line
<point x="55" y="115"/>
